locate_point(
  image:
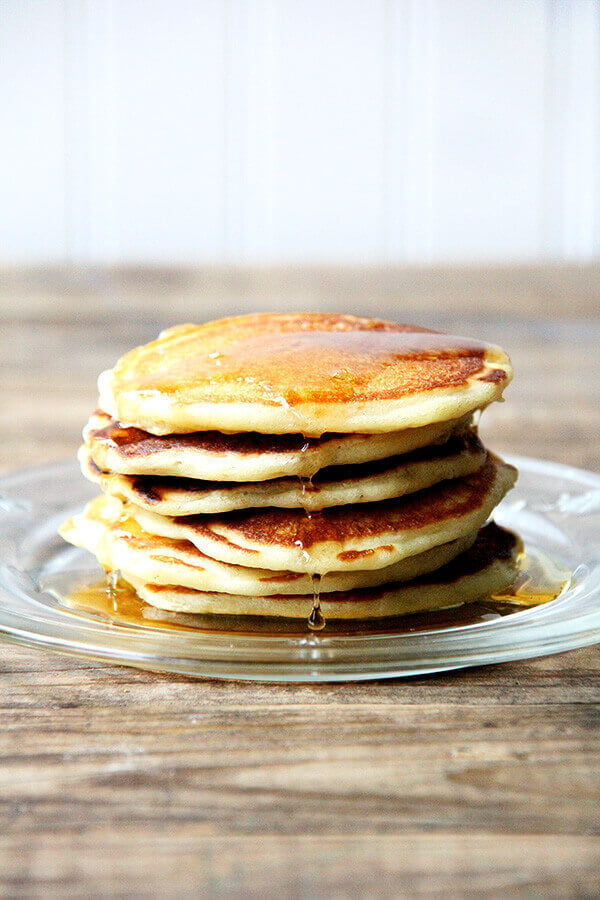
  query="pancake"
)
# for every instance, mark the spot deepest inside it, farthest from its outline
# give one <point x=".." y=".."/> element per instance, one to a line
<point x="346" y="538"/>
<point x="309" y="374"/>
<point x="119" y="544"/>
<point x="487" y="568"/>
<point x="332" y="486"/>
<point x="247" y="460"/>
<point x="212" y="455"/>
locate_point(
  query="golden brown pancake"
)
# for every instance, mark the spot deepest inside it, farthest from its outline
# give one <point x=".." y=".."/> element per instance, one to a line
<point x="342" y="538"/>
<point x="332" y="486"/>
<point x="246" y="456"/>
<point x="119" y="544"/>
<point x="487" y="568"/>
<point x="243" y="458"/>
<point x="308" y="373"/>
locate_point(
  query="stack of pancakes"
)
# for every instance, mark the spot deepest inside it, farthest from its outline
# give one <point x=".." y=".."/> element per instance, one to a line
<point x="259" y="465"/>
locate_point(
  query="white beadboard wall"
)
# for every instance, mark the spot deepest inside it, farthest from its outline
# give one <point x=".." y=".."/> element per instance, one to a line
<point x="299" y="131"/>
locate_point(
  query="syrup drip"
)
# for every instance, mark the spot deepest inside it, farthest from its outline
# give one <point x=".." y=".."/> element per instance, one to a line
<point x="306" y="486"/>
<point x="112" y="588"/>
<point x="112" y="580"/>
<point x="316" y="619"/>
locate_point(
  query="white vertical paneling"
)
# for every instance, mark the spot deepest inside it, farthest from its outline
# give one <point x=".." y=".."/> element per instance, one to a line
<point x="411" y="82"/>
<point x="32" y="173"/>
<point x="169" y="63"/>
<point x="278" y="131"/>
<point x="91" y="91"/>
<point x="251" y="123"/>
<point x="318" y="93"/>
<point x="235" y="153"/>
<point x="572" y="210"/>
<point x="396" y="160"/>
<point x="489" y="130"/>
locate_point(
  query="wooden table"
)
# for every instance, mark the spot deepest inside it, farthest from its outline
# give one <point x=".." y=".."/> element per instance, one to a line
<point x="116" y="782"/>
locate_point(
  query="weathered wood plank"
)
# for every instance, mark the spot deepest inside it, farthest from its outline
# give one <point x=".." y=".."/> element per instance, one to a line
<point x="125" y="861"/>
<point x="548" y="292"/>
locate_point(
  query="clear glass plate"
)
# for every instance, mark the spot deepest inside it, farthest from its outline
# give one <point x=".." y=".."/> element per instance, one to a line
<point x="554" y="508"/>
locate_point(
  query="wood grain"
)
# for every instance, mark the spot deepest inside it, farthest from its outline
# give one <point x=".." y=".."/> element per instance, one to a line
<point x="118" y="782"/>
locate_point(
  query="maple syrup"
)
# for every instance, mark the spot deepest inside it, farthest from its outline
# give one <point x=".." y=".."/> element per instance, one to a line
<point x="316" y="619"/>
<point x="539" y="580"/>
<point x="112" y="581"/>
<point x="303" y="362"/>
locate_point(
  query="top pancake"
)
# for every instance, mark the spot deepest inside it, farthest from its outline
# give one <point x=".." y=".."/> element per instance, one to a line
<point x="305" y="373"/>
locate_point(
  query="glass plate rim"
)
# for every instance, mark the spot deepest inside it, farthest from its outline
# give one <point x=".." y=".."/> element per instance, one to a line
<point x="314" y="657"/>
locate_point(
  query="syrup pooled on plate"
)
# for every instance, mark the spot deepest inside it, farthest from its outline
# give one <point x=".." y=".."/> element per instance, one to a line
<point x="539" y="581"/>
